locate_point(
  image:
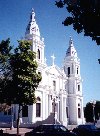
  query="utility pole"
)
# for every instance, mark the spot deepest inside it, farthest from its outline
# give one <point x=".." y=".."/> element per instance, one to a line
<point x="12" y="116"/>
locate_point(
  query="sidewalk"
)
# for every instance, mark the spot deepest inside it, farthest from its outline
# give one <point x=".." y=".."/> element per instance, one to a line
<point x="22" y="131"/>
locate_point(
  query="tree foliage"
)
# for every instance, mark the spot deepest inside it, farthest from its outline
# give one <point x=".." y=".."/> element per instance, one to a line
<point x="97" y="110"/>
<point x="25" y="78"/>
<point x="85" y="16"/>
<point x="5" y="53"/>
<point x="88" y="112"/>
<point x="21" y="66"/>
<point x="18" y="76"/>
<point x="5" y="69"/>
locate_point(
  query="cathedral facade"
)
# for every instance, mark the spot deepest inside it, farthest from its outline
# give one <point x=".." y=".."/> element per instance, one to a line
<point x="59" y="94"/>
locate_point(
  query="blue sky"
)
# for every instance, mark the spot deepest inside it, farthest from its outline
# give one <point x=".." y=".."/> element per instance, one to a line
<point x="14" y="17"/>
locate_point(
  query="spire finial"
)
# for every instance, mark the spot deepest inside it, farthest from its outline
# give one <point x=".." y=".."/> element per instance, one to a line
<point x="32" y="9"/>
<point x="53" y="58"/>
<point x="70" y="41"/>
<point x="32" y="17"/>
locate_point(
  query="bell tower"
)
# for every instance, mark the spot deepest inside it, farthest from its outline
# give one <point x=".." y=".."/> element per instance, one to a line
<point x="33" y="34"/>
<point x="73" y="86"/>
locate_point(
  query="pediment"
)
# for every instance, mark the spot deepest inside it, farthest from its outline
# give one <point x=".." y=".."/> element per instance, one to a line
<point x="54" y="70"/>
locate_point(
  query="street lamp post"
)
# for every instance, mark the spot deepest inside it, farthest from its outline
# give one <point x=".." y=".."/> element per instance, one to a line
<point x="93" y="104"/>
<point x="54" y="110"/>
<point x="12" y="117"/>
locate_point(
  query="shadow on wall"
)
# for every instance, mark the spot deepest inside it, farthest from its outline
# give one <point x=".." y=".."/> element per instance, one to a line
<point x="49" y="120"/>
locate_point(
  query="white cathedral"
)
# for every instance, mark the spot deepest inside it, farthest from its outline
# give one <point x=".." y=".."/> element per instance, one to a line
<point x="59" y="94"/>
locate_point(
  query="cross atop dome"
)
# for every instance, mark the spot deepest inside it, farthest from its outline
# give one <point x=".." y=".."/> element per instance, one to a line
<point x="70" y="41"/>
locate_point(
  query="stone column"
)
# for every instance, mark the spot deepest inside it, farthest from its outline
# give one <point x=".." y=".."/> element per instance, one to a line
<point x="43" y="108"/>
<point x="61" y="108"/>
<point x="49" y="104"/>
<point x="33" y="113"/>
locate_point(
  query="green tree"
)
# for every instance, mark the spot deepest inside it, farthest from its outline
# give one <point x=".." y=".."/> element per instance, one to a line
<point x="5" y="70"/>
<point x="97" y="110"/>
<point x="24" y="79"/>
<point x="89" y="114"/>
<point x="85" y="16"/>
<point x="5" y="53"/>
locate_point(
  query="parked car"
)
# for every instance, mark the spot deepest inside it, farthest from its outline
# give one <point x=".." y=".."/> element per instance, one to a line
<point x="50" y="130"/>
<point x="86" y="130"/>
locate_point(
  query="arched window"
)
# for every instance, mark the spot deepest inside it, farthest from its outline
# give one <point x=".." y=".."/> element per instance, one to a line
<point x="78" y="104"/>
<point x="67" y="112"/>
<point x="38" y="54"/>
<point x="78" y="87"/>
<point x="38" y="107"/>
<point x="77" y="70"/>
<point x="54" y="85"/>
<point x="79" y="113"/>
<point x="79" y="110"/>
<point x="38" y="99"/>
<point x="68" y="71"/>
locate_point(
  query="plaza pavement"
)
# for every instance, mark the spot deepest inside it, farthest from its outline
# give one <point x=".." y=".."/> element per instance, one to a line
<point x="22" y="131"/>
